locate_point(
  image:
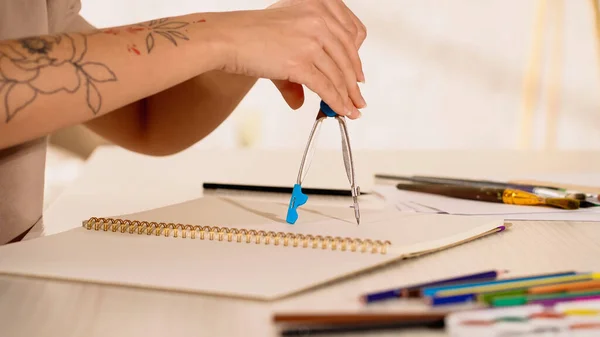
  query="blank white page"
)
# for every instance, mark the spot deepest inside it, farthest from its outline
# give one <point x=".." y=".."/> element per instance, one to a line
<point x="243" y="269"/>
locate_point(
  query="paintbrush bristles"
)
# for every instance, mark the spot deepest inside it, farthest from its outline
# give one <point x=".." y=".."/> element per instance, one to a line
<point x="564" y="203"/>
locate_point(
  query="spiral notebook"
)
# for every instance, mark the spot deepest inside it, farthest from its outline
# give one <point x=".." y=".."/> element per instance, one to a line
<point x="237" y="247"/>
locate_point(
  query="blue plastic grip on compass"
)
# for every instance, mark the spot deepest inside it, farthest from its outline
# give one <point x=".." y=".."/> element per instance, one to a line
<point x="298" y="199"/>
<point x="327" y="110"/>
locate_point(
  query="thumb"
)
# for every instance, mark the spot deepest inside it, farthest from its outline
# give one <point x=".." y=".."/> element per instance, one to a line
<point x="293" y="93"/>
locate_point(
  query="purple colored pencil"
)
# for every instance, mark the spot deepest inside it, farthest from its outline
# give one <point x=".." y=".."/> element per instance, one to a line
<point x="553" y="301"/>
<point x="415" y="290"/>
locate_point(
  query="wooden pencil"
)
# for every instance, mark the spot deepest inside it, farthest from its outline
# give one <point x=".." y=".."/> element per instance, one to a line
<point x="356" y="317"/>
<point x="556" y="288"/>
<point x="518" y="285"/>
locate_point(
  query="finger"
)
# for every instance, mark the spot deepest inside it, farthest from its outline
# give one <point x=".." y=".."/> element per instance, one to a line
<point x="337" y="52"/>
<point x="293" y="93"/>
<point x="319" y="83"/>
<point x="361" y="34"/>
<point x="330" y="69"/>
<point x="341" y="13"/>
<point x="343" y="25"/>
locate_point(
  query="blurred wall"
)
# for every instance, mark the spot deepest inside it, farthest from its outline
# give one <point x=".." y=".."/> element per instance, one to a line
<point x="439" y="74"/>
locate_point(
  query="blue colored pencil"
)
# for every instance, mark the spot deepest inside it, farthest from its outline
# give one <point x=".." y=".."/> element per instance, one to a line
<point x="431" y="291"/>
<point x="458" y="299"/>
<point x="415" y="290"/>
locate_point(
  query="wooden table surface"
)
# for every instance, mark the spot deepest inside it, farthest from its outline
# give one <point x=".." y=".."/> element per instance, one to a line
<point x="36" y="307"/>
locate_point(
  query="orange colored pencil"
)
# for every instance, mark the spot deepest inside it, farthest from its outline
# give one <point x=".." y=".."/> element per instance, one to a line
<point x="572" y="286"/>
<point x="582" y="291"/>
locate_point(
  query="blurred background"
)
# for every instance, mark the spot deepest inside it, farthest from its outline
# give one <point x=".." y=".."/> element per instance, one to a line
<point x="461" y="74"/>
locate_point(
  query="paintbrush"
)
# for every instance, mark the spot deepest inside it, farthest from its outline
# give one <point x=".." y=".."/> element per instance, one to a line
<point x="491" y="194"/>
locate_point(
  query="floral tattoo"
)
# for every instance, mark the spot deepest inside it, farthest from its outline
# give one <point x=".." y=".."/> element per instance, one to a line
<point x="166" y="29"/>
<point x="172" y="31"/>
<point x="48" y="65"/>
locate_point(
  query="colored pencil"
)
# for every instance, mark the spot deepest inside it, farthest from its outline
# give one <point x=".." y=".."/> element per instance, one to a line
<point x="554" y="301"/>
<point x="533" y="299"/>
<point x="555" y="288"/>
<point x="581" y="312"/>
<point x="345" y="318"/>
<point x="446" y="300"/>
<point x="571" y="288"/>
<point x="431" y="291"/>
<point x="337" y="329"/>
<point x="518" y="285"/>
<point x="467" y="295"/>
<point x="487" y="298"/>
<point x="275" y="189"/>
<point x="415" y="290"/>
<point x="484" y="298"/>
<point x="584" y="326"/>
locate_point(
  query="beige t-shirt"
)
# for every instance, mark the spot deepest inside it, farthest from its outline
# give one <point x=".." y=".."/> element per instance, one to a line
<point x="22" y="167"/>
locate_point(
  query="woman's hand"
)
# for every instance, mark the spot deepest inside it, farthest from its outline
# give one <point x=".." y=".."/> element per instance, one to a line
<point x="298" y="42"/>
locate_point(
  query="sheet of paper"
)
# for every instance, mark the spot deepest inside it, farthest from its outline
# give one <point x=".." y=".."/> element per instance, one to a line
<point x="587" y="216"/>
<point x="489" y="322"/>
<point x="232" y="268"/>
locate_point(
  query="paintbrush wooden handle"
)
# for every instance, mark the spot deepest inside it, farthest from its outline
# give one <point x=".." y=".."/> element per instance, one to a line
<point x="488" y="194"/>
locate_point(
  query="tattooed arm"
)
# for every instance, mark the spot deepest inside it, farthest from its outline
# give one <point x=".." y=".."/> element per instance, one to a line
<point x="54" y="81"/>
<point x="159" y="86"/>
<point x="182" y="114"/>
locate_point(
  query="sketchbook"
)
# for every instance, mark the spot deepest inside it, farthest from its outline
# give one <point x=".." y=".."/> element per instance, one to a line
<point x="237" y="247"/>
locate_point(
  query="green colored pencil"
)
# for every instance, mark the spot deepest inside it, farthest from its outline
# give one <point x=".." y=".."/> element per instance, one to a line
<point x="488" y="297"/>
<point x="518" y="285"/>
<point x="505" y="301"/>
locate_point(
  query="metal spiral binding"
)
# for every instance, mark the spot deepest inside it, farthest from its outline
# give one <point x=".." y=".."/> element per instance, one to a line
<point x="236" y="235"/>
